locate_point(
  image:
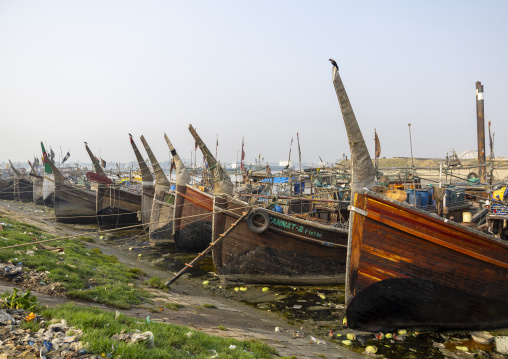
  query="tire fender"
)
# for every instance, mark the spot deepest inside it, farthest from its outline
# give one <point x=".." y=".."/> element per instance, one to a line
<point x="258" y="212"/>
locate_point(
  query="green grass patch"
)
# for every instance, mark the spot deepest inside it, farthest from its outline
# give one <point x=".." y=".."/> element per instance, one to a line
<point x="156" y="282"/>
<point x="221" y="327"/>
<point x="209" y="306"/>
<point x="171" y="341"/>
<point x="86" y="274"/>
<point x="173" y="306"/>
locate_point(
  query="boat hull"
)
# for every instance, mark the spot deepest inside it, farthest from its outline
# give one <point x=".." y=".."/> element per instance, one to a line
<point x="116" y="207"/>
<point x="408" y="268"/>
<point x="161" y="220"/>
<point x="192" y="219"/>
<point x="23" y="190"/>
<point x="7" y="189"/>
<point x="74" y="205"/>
<point x="147" y="194"/>
<point x="48" y="189"/>
<point x="291" y="251"/>
<point x="37" y="183"/>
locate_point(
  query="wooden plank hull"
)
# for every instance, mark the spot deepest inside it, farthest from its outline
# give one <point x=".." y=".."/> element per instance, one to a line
<point x="408" y="268"/>
<point x="23" y="190"/>
<point x="74" y="205"/>
<point x="37" y="190"/>
<point x="192" y="219"/>
<point x="291" y="251"/>
<point x="116" y="207"/>
<point x="7" y="189"/>
<point x="161" y="220"/>
<point x="48" y="189"/>
<point x="147" y="194"/>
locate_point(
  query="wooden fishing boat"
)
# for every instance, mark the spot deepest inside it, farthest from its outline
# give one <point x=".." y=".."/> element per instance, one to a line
<point x="48" y="182"/>
<point x="193" y="207"/>
<point x="161" y="215"/>
<point x="7" y="189"/>
<point x="115" y="206"/>
<point x="408" y="268"/>
<point x="72" y="204"/>
<point x="147" y="187"/>
<point x="270" y="247"/>
<point x="36" y="185"/>
<point x="23" y="188"/>
<point x="277" y="248"/>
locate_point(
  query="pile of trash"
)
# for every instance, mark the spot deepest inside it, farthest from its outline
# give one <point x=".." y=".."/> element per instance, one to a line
<point x="28" y="278"/>
<point x="53" y="340"/>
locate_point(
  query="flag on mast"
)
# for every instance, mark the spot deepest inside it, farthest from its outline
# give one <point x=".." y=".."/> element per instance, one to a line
<point x="66" y="157"/>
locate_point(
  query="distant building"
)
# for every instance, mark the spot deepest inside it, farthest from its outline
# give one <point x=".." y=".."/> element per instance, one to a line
<point x="468" y="155"/>
<point x="285" y="163"/>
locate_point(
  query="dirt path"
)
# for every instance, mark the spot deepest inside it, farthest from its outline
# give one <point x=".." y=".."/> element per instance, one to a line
<point x="239" y="320"/>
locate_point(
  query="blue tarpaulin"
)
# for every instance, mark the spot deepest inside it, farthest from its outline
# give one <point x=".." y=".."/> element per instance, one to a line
<point x="276" y="180"/>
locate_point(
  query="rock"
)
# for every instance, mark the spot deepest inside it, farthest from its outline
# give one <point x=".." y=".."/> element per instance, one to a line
<point x="482" y="337"/>
<point x="6" y="318"/>
<point x="502" y="344"/>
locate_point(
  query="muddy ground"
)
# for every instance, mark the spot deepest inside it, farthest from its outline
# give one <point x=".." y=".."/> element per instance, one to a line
<point x="304" y="322"/>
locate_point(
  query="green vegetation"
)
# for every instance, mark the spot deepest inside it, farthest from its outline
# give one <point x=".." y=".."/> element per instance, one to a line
<point x="83" y="273"/>
<point x="209" y="306"/>
<point x="221" y="327"/>
<point x="156" y="282"/>
<point x="18" y="300"/>
<point x="173" y="306"/>
<point x="171" y="341"/>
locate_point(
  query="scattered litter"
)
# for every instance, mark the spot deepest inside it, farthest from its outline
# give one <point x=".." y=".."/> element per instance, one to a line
<point x="482" y="337"/>
<point x="232" y="347"/>
<point x="371" y="349"/>
<point x="502" y="344"/>
<point x="277" y="329"/>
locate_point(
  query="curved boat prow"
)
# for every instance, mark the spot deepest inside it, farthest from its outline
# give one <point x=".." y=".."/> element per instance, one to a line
<point x="146" y="176"/>
<point x="221" y="181"/>
<point x="363" y="169"/>
<point x="95" y="161"/>
<point x="160" y="176"/>
<point x="182" y="175"/>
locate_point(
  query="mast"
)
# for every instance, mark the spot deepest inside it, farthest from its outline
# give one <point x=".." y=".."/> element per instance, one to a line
<point x="160" y="176"/>
<point x="95" y="162"/>
<point x="182" y="175"/>
<point x="363" y="171"/>
<point x="146" y="176"/>
<point x="221" y="181"/>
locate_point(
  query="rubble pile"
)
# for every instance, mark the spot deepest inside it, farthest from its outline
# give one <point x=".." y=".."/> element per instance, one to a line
<point x="53" y="340"/>
<point x="30" y="279"/>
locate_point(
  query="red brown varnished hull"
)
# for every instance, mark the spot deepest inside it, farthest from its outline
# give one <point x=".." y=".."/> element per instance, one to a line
<point x="291" y="251"/>
<point x="193" y="219"/>
<point x="409" y="268"/>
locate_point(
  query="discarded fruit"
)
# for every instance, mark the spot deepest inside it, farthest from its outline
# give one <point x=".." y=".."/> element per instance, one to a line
<point x="346" y="342"/>
<point x="371" y="349"/>
<point x="206" y="282"/>
<point x="265" y="289"/>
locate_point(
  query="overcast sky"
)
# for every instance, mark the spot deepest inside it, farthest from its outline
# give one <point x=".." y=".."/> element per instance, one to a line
<point x="74" y="71"/>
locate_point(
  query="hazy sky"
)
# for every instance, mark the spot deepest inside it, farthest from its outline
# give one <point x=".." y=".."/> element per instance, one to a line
<point x="74" y="71"/>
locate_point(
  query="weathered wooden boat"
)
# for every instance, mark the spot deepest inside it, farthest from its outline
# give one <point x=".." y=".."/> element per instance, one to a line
<point x="271" y="247"/>
<point x="6" y="189"/>
<point x="275" y="248"/>
<point x="115" y="207"/>
<point x="161" y="218"/>
<point x="36" y="185"/>
<point x="48" y="182"/>
<point x="23" y="188"/>
<point x="193" y="207"/>
<point x="408" y="268"/>
<point x="72" y="204"/>
<point x="147" y="187"/>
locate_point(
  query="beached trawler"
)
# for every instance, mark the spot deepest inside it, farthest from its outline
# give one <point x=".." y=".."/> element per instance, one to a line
<point x="115" y="207"/>
<point x="162" y="210"/>
<point x="23" y="188"/>
<point x="410" y="268"/>
<point x="48" y="182"/>
<point x="72" y="204"/>
<point x="37" y="182"/>
<point x="147" y="187"/>
<point x="270" y="247"/>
